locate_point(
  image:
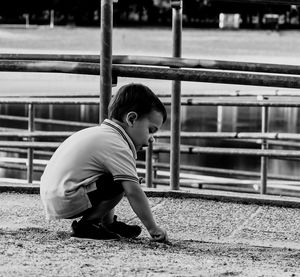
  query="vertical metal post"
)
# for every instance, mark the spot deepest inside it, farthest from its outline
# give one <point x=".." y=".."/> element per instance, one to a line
<point x="30" y="154"/>
<point x="176" y="98"/>
<point x="155" y="161"/>
<point x="149" y="165"/>
<point x="264" y="145"/>
<point x="234" y="117"/>
<point x="51" y="19"/>
<point x="106" y="57"/>
<point x="219" y="118"/>
<point x="26" y="15"/>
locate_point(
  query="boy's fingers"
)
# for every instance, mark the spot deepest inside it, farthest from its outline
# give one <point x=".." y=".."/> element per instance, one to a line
<point x="157" y="237"/>
<point x="160" y="238"/>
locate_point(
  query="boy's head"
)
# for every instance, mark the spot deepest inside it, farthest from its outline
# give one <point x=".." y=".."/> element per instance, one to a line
<point x="135" y="98"/>
<point x="139" y="110"/>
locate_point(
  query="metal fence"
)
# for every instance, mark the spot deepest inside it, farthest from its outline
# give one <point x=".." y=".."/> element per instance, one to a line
<point x="30" y="139"/>
<point x="175" y="69"/>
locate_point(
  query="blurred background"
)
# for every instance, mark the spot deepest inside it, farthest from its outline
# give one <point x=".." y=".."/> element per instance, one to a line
<point x="196" y="13"/>
<point x="212" y="29"/>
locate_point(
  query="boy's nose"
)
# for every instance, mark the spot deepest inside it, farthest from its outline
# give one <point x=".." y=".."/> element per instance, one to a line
<point x="151" y="139"/>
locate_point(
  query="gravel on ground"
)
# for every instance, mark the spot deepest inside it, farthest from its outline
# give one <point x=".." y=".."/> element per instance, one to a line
<point x="207" y="238"/>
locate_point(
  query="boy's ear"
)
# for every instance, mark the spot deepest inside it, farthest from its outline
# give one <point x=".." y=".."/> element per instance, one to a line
<point x="131" y="117"/>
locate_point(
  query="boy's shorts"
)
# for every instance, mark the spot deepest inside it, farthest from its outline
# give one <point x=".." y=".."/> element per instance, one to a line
<point x="107" y="189"/>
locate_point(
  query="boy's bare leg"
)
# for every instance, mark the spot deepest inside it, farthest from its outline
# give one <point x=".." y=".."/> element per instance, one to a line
<point x="104" y="212"/>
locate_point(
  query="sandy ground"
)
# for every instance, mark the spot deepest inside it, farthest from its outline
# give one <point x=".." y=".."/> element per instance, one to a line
<point x="207" y="238"/>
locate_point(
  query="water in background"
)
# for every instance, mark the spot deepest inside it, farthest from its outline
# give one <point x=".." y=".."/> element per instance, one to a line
<point x="239" y="119"/>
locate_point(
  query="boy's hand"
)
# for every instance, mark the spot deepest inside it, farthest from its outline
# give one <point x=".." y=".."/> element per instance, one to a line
<point x="159" y="235"/>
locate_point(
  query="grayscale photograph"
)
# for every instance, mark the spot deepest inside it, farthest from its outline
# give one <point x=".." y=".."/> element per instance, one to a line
<point x="149" y="138"/>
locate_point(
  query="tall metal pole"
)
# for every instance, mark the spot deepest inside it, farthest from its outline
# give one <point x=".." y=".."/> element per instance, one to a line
<point x="106" y="57"/>
<point x="176" y="98"/>
<point x="51" y="19"/>
<point x="30" y="154"/>
<point x="149" y="165"/>
<point x="264" y="146"/>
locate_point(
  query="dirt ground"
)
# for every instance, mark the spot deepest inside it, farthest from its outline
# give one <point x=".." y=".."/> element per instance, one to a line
<point x="30" y="246"/>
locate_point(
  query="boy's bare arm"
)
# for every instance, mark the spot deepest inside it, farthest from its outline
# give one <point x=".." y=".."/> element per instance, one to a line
<point x="140" y="205"/>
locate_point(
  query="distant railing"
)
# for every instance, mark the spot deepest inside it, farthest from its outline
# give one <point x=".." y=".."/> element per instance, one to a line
<point x="164" y="68"/>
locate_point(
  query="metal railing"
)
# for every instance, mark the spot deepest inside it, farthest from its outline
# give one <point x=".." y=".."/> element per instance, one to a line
<point x="204" y="74"/>
<point x="152" y="167"/>
<point x="175" y="69"/>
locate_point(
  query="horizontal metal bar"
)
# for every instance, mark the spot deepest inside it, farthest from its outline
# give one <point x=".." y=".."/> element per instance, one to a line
<point x="238" y="103"/>
<point x="160" y="135"/>
<point x="36" y="134"/>
<point x="20" y="167"/>
<point x="48" y="121"/>
<point x="273" y="143"/>
<point x="50" y="100"/>
<point x="250" y="152"/>
<point x="231" y="135"/>
<point x="69" y="123"/>
<point x="288" y="185"/>
<point x="187" y="102"/>
<point x="162" y="61"/>
<point x="50" y="67"/>
<point x="230" y="151"/>
<point x="207" y="64"/>
<point x="212" y="76"/>
<point x="166" y="148"/>
<point x="230" y="93"/>
<point x="225" y="172"/>
<point x="51" y="57"/>
<point x="233" y="186"/>
<point x="212" y="171"/>
<point x="18" y="160"/>
<point x="29" y="144"/>
<point x="238" y="93"/>
<point x="24" y="151"/>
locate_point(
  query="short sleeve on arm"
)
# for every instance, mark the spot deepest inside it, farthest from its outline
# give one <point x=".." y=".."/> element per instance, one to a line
<point x="121" y="164"/>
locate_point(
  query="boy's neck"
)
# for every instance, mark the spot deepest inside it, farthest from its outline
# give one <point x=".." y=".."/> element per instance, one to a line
<point x="122" y="124"/>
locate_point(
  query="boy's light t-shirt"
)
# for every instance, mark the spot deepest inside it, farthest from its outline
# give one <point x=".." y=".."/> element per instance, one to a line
<point x="79" y="161"/>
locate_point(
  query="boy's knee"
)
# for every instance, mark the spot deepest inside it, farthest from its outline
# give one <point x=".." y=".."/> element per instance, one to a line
<point x="107" y="189"/>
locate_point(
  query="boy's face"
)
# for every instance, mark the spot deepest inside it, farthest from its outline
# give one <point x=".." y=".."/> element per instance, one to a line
<point x="142" y="129"/>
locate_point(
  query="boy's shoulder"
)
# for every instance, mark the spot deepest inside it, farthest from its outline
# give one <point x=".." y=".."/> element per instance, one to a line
<point x="107" y="134"/>
<point x="118" y="131"/>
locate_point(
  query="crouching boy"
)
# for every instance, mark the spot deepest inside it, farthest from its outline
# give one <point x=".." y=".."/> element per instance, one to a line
<point x="91" y="170"/>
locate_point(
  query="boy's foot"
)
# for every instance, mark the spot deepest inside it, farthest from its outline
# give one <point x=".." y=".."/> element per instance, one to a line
<point x="91" y="230"/>
<point x="123" y="229"/>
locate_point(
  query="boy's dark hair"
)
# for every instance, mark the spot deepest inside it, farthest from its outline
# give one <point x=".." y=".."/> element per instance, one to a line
<point x="136" y="98"/>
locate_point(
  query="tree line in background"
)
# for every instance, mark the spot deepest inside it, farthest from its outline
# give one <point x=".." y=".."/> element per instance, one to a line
<point x="196" y="13"/>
